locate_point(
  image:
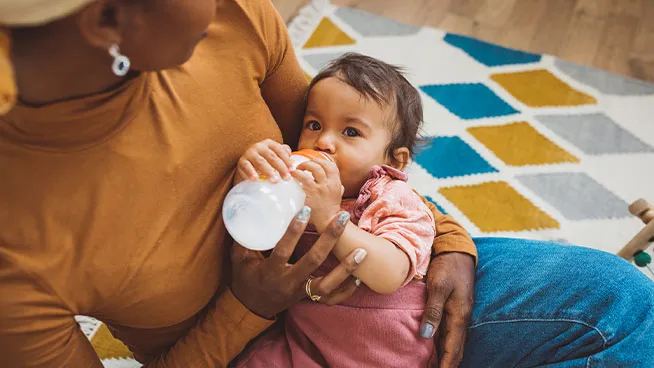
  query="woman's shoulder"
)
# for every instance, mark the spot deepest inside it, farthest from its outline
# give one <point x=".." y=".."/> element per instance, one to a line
<point x="246" y="35"/>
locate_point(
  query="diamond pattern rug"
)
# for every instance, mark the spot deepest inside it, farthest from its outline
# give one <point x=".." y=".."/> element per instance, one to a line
<point x="524" y="145"/>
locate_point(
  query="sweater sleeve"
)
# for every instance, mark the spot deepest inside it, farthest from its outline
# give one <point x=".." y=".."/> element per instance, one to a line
<point x="285" y="84"/>
<point x="38" y="329"/>
<point x="450" y="236"/>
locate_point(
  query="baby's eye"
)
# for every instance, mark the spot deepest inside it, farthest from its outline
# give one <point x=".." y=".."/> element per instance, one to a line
<point x="351" y="132"/>
<point x="313" y="125"/>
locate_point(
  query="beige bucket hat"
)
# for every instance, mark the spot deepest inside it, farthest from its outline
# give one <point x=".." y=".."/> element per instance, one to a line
<point x="35" y="12"/>
<point x="14" y="13"/>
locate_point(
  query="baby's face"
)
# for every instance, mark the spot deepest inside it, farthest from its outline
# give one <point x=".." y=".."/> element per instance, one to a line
<point x="349" y="127"/>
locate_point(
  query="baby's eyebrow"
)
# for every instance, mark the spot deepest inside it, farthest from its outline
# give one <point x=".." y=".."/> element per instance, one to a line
<point x="354" y="119"/>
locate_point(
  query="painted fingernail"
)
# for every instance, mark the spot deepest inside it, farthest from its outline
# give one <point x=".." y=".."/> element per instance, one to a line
<point x="357" y="282"/>
<point x="359" y="256"/>
<point x="303" y="216"/>
<point x="343" y="218"/>
<point x="427" y="330"/>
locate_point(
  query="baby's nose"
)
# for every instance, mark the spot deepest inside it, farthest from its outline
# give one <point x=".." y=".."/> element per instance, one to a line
<point x="325" y="144"/>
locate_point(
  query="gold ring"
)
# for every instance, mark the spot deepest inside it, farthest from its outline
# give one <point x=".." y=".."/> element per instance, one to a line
<point x="307" y="288"/>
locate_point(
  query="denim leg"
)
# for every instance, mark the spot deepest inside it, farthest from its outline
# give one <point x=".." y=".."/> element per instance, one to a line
<point x="545" y="304"/>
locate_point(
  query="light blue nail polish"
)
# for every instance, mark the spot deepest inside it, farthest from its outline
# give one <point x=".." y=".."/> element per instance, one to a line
<point x="303" y="216"/>
<point x="343" y="218"/>
<point x="427" y="330"/>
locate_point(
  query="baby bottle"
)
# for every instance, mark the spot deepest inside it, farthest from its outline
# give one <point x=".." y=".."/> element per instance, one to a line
<point x="257" y="213"/>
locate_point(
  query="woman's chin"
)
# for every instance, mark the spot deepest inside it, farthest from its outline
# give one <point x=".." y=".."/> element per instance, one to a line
<point x="181" y="60"/>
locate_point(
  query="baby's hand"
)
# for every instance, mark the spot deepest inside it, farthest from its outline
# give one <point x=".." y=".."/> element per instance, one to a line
<point x="267" y="158"/>
<point x="324" y="190"/>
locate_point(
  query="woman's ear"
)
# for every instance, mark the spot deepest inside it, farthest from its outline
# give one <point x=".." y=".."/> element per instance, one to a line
<point x="400" y="158"/>
<point x="99" y="23"/>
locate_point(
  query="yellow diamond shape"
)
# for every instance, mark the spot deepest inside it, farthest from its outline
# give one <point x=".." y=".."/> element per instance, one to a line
<point x="519" y="144"/>
<point x="496" y="206"/>
<point x="107" y="347"/>
<point x="328" y="34"/>
<point x="540" y="88"/>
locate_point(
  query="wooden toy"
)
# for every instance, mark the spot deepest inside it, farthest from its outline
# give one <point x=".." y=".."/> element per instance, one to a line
<point x="636" y="249"/>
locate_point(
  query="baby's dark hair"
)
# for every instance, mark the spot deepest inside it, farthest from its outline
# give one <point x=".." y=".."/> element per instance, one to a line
<point x="386" y="85"/>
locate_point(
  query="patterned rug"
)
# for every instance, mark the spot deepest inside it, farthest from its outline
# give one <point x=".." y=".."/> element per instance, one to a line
<point x="524" y="145"/>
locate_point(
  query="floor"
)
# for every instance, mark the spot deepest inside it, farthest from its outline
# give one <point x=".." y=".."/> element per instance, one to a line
<point x="614" y="35"/>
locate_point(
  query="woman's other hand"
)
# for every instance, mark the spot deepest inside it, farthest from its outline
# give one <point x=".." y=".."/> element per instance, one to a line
<point x="268" y="286"/>
<point x="450" y="288"/>
<point x="267" y="158"/>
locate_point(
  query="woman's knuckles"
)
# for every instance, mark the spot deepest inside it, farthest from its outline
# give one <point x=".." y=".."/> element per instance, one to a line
<point x="314" y="259"/>
<point x="350" y="265"/>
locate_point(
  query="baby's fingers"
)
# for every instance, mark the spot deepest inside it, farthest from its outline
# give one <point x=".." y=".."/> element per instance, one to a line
<point x="264" y="167"/>
<point x="319" y="175"/>
<point x="283" y="151"/>
<point x="304" y="178"/>
<point x="279" y="159"/>
<point x="246" y="170"/>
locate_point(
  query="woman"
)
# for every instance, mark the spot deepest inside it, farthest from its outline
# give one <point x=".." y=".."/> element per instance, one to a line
<point x="113" y="180"/>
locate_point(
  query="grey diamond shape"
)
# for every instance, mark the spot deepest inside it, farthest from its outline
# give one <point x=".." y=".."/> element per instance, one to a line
<point x="368" y="24"/>
<point x="595" y="134"/>
<point x="604" y="81"/>
<point x="319" y="61"/>
<point x="576" y="195"/>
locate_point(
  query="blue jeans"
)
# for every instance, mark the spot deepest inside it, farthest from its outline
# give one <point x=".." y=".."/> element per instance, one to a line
<point x="545" y="304"/>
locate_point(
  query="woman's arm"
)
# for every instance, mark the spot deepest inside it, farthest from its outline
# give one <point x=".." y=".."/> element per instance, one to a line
<point x="286" y="84"/>
<point x="451" y="236"/>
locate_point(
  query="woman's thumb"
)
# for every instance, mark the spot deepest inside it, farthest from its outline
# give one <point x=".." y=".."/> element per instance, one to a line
<point x="431" y="318"/>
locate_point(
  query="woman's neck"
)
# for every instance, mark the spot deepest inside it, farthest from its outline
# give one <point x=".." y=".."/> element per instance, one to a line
<point x="53" y="68"/>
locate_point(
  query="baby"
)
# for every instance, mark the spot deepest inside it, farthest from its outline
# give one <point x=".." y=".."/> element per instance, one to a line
<point x="365" y="116"/>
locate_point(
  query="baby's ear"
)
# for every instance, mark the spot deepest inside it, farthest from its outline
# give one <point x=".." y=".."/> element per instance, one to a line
<point x="400" y="158"/>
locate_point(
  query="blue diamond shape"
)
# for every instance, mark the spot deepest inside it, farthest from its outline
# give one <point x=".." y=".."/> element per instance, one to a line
<point x="446" y="157"/>
<point x="469" y="100"/>
<point x="430" y="199"/>
<point x="488" y="53"/>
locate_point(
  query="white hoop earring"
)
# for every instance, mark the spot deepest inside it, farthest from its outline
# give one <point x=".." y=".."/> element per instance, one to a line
<point x="121" y="63"/>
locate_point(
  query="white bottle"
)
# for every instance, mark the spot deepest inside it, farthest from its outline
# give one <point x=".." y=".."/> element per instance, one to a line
<point x="257" y="213"/>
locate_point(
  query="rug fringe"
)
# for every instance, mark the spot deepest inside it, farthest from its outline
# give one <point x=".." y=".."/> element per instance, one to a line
<point x="301" y="27"/>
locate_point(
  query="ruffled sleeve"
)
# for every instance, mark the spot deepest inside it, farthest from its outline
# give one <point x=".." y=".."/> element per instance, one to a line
<point x="396" y="213"/>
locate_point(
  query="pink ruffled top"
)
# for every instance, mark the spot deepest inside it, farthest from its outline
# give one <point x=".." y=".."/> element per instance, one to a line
<point x="388" y="208"/>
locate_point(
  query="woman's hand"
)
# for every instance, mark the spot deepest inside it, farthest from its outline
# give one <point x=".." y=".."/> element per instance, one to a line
<point x="321" y="182"/>
<point x="268" y="286"/>
<point x="267" y="158"/>
<point x="450" y="287"/>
